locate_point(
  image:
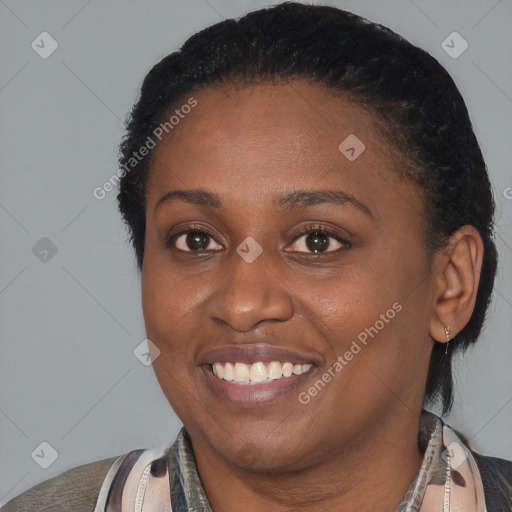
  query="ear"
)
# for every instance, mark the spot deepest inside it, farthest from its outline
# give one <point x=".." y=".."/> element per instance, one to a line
<point x="457" y="268"/>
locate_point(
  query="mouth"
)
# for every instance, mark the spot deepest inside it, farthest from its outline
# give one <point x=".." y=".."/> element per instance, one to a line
<point x="254" y="374"/>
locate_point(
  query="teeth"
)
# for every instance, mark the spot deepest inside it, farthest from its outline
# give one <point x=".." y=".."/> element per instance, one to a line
<point x="258" y="372"/>
<point x="287" y="369"/>
<point x="229" y="374"/>
<point x="274" y="370"/>
<point x="241" y="373"/>
<point x="218" y="370"/>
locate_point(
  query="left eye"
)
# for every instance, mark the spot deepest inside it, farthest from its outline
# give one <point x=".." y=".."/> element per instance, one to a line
<point x="319" y="241"/>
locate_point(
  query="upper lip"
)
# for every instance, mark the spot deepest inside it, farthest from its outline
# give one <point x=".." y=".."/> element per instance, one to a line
<point x="254" y="353"/>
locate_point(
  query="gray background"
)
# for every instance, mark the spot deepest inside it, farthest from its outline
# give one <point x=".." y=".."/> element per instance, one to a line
<point x="70" y="324"/>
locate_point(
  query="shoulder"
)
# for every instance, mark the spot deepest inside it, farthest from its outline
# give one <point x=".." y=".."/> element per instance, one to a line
<point x="496" y="477"/>
<point x="75" y="489"/>
<point x="134" y="478"/>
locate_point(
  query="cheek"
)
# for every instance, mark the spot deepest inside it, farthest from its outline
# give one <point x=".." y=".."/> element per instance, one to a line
<point x="380" y="304"/>
<point x="352" y="298"/>
<point x="384" y="344"/>
<point x="166" y="309"/>
<point x="167" y="298"/>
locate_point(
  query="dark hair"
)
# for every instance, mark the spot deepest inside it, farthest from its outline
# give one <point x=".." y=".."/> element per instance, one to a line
<point x="412" y="95"/>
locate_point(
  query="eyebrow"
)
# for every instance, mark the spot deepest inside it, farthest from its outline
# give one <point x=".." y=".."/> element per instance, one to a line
<point x="292" y="200"/>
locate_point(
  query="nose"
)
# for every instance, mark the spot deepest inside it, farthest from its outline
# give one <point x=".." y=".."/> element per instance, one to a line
<point x="249" y="294"/>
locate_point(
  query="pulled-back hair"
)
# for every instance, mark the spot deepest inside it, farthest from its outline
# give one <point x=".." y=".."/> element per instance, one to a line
<point x="408" y="91"/>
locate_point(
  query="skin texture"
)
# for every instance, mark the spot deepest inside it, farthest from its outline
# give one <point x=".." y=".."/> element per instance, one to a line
<point x="354" y="445"/>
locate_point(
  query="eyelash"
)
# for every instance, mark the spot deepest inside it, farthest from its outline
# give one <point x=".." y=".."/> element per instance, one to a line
<point x="310" y="229"/>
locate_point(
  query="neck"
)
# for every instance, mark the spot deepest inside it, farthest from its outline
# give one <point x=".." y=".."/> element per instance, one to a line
<point x="373" y="474"/>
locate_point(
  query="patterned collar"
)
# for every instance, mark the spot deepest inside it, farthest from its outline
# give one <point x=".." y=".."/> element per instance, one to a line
<point x="189" y="495"/>
<point x="433" y="467"/>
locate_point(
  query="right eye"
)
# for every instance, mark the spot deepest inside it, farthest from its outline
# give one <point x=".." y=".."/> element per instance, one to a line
<point x="192" y="240"/>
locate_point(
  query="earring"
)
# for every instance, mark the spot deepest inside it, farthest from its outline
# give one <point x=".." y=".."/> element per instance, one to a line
<point x="448" y="337"/>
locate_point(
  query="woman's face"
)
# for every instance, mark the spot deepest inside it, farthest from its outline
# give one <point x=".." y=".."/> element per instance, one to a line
<point x="265" y="164"/>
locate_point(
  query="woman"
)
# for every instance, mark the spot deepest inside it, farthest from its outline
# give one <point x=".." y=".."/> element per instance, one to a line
<point x="312" y="219"/>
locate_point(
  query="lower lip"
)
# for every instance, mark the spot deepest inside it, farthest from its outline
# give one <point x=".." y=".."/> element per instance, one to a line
<point x="253" y="394"/>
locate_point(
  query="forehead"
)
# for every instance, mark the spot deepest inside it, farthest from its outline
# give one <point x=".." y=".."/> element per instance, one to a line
<point x="273" y="137"/>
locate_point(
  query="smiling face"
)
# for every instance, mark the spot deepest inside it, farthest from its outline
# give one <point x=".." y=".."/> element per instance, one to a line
<point x="342" y="255"/>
